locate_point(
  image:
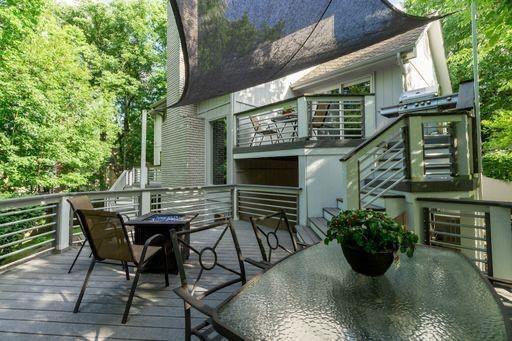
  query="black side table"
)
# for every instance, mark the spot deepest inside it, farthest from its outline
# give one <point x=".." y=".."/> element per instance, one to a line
<point x="150" y="224"/>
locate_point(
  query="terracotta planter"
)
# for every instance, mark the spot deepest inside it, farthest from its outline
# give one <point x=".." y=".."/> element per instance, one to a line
<point x="366" y="263"/>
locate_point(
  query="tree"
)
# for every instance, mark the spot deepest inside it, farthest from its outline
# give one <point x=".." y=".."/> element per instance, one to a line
<point x="495" y="53"/>
<point x="56" y="127"/>
<point x="131" y="37"/>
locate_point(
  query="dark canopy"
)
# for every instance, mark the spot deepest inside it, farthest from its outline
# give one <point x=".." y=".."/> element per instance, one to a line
<point x="230" y="45"/>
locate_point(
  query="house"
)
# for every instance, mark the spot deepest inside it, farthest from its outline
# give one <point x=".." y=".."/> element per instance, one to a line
<point x="315" y="142"/>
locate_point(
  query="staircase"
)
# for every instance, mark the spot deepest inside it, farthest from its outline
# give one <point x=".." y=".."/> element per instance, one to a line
<point x="317" y="228"/>
<point x="382" y="164"/>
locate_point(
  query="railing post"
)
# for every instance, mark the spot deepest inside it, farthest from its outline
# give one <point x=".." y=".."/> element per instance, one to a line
<point x="302" y="117"/>
<point x="500" y="241"/>
<point x="234" y="201"/>
<point x="416" y="143"/>
<point x="145" y="202"/>
<point x="369" y="115"/>
<point x="352" y="197"/>
<point x="62" y="234"/>
<point x="463" y="147"/>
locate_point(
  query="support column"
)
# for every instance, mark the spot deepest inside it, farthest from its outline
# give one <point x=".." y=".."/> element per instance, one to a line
<point x="303" y="117"/>
<point x="303" y="194"/>
<point x="416" y="148"/>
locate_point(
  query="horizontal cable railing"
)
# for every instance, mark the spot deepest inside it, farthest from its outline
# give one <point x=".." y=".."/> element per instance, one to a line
<point x="267" y="125"/>
<point x="259" y="201"/>
<point x="335" y="117"/>
<point x="469" y="227"/>
<point x="27" y="230"/>
<point x="211" y="203"/>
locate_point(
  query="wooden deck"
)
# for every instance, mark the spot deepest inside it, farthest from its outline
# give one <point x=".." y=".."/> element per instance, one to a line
<point x="37" y="297"/>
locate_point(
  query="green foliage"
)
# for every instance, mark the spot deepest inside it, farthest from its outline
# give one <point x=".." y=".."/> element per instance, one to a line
<point x="130" y="38"/>
<point x="495" y="59"/>
<point x="73" y="83"/>
<point x="498" y="164"/>
<point x="370" y="231"/>
<point x="56" y="128"/>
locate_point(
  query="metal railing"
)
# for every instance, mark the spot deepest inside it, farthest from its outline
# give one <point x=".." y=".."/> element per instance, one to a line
<point x="211" y="202"/>
<point x="259" y="201"/>
<point x="382" y="168"/>
<point x="332" y="117"/>
<point x="30" y="226"/>
<point x="27" y="228"/>
<point x="439" y="150"/>
<point x="273" y="124"/>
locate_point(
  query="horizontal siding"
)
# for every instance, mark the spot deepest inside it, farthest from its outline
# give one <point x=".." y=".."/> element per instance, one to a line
<point x="183" y="133"/>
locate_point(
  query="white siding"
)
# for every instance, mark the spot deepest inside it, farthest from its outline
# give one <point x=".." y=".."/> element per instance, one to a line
<point x="267" y="93"/>
<point x="388" y="87"/>
<point x="420" y="71"/>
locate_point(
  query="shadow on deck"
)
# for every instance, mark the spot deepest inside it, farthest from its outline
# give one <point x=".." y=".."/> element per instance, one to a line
<point x="37" y="297"/>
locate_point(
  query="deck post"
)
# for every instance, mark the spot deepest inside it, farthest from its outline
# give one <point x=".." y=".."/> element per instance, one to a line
<point x="369" y="115"/>
<point x="501" y="241"/>
<point x="302" y="118"/>
<point x="62" y="234"/>
<point x="416" y="155"/>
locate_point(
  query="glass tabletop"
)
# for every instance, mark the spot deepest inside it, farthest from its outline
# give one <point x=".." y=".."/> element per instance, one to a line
<point x="314" y="294"/>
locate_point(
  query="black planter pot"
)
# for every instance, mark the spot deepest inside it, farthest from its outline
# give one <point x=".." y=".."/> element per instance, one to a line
<point x="367" y="264"/>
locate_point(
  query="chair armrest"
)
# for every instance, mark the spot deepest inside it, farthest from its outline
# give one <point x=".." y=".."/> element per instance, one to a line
<point x="194" y="302"/>
<point x="259" y="264"/>
<point x="148" y="243"/>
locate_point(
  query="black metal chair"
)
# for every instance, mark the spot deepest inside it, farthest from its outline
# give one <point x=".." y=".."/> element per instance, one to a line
<point x="79" y="203"/>
<point x="208" y="259"/>
<point x="268" y="239"/>
<point x="108" y="239"/>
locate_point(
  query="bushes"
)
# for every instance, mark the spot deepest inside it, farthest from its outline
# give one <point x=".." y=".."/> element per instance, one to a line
<point x="498" y="164"/>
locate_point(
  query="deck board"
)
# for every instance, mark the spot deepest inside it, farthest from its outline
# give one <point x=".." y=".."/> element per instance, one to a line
<point x="37" y="297"/>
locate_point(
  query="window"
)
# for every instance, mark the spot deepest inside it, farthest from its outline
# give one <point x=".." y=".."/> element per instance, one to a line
<point x="361" y="86"/>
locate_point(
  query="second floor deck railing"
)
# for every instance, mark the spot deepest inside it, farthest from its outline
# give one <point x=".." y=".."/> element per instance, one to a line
<point x="314" y="118"/>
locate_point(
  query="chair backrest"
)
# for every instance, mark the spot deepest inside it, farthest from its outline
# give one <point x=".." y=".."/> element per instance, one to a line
<point x="255" y="123"/>
<point x="273" y="237"/>
<point x="81" y="202"/>
<point x="207" y="256"/>
<point x="107" y="235"/>
<point x="321" y="113"/>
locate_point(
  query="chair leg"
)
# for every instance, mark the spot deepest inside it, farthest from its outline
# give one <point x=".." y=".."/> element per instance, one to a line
<point x="82" y="292"/>
<point x="132" y="292"/>
<point x="126" y="270"/>
<point x="76" y="257"/>
<point x="166" y="270"/>
<point x="188" y="323"/>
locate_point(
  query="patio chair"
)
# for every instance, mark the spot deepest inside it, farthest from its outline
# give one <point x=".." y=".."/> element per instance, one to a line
<point x="109" y="240"/>
<point x="262" y="131"/>
<point x="271" y="239"/>
<point x="79" y="203"/>
<point x="190" y="291"/>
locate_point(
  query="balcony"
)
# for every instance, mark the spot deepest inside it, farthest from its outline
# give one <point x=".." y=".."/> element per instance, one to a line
<point x="308" y="121"/>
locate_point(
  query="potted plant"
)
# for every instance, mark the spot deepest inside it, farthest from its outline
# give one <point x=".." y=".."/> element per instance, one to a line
<point x="370" y="240"/>
<point x="288" y="110"/>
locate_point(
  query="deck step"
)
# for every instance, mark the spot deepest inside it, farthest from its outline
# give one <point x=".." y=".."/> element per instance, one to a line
<point x="306" y="235"/>
<point x="319" y="226"/>
<point x="330" y="212"/>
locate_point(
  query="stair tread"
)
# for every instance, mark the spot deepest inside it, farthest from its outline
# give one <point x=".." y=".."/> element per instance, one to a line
<point x="334" y="211"/>
<point x="320" y="223"/>
<point x="307" y="235"/>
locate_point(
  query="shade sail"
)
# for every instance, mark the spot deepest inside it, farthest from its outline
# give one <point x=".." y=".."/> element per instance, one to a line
<point x="230" y="45"/>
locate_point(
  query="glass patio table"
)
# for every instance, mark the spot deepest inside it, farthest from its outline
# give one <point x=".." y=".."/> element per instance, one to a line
<point x="314" y="294"/>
